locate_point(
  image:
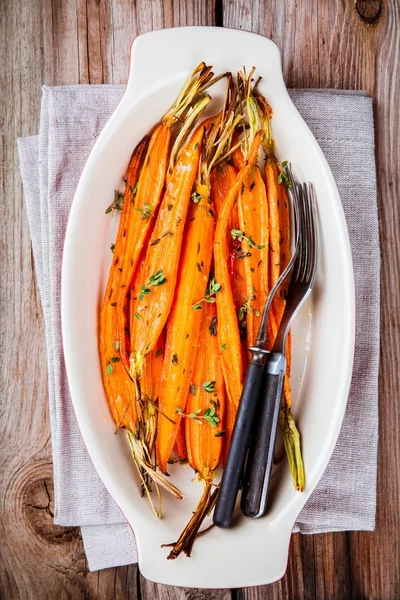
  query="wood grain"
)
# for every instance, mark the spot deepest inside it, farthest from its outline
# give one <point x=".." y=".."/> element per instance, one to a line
<point x="341" y="43"/>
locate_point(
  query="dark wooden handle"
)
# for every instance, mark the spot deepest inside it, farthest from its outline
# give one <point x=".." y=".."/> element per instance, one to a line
<point x="261" y="452"/>
<point x="233" y="471"/>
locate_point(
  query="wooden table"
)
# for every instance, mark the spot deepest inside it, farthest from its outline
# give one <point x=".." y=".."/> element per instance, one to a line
<point x="331" y="43"/>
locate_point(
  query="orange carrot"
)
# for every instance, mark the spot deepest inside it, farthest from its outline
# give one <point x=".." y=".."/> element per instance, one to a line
<point x="223" y="177"/>
<point x="184" y="322"/>
<point x="118" y="385"/>
<point x="228" y="330"/>
<point x="253" y="233"/>
<point x="156" y="286"/>
<point x="143" y="203"/>
<point x="203" y="423"/>
<point x="203" y="445"/>
<point x="271" y="178"/>
<point x="192" y="293"/>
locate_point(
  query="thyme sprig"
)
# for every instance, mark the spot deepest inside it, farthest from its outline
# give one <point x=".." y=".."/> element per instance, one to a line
<point x="238" y="234"/>
<point x="109" y="367"/>
<point x="282" y="177"/>
<point x="146" y="210"/>
<point x="213" y="289"/>
<point x="117" y="204"/>
<point x="209" y="415"/>
<point x="154" y="280"/>
<point x="247" y="308"/>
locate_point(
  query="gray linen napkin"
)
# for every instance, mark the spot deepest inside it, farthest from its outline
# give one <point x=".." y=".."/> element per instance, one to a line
<point x="71" y="119"/>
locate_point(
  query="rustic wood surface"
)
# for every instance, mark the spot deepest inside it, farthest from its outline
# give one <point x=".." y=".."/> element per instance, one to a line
<point x="336" y="43"/>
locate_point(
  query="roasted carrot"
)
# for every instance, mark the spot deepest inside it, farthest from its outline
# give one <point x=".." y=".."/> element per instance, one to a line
<point x="253" y="234"/>
<point x="271" y="178"/>
<point x="184" y="322"/>
<point x="223" y="177"/>
<point x="118" y="385"/>
<point x="230" y="416"/>
<point x="145" y="199"/>
<point x="203" y="423"/>
<point x="155" y="290"/>
<point x="204" y="444"/>
<point x="253" y="217"/>
<point x="228" y="330"/>
<point x="156" y="286"/>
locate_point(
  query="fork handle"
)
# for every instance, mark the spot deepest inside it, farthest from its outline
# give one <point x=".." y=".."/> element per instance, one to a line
<point x="233" y="471"/>
<point x="261" y="452"/>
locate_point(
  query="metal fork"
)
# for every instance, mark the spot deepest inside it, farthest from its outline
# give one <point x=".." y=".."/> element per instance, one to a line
<point x="261" y="451"/>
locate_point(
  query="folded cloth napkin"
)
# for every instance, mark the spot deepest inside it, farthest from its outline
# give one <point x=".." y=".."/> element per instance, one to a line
<point x="71" y="119"/>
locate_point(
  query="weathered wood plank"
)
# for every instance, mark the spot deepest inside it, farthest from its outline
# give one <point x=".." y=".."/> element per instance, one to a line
<point x="153" y="591"/>
<point x="351" y="45"/>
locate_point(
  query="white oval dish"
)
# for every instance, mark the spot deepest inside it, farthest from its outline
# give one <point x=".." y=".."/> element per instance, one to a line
<point x="254" y="552"/>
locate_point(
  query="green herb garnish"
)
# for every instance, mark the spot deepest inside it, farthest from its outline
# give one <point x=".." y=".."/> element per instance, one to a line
<point x="209" y="415"/>
<point x="146" y="211"/>
<point x="238" y="234"/>
<point x="195" y="197"/>
<point x="117" y="204"/>
<point x="213" y="289"/>
<point x="154" y="280"/>
<point x="208" y="386"/>
<point x="283" y="177"/>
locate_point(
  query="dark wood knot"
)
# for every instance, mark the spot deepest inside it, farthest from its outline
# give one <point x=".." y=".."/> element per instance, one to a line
<point x="369" y="11"/>
<point x="37" y="496"/>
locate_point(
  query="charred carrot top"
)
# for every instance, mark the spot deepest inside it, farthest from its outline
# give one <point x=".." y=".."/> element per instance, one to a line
<point x="204" y="422"/>
<point x="118" y="385"/>
<point x="228" y="330"/>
